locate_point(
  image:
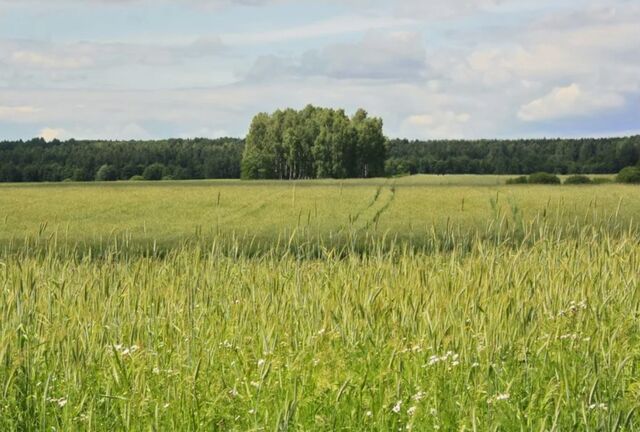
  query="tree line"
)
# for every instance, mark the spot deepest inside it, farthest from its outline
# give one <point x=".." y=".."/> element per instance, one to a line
<point x="40" y="161"/>
<point x="559" y="156"/>
<point x="311" y="143"/>
<point x="314" y="143"/>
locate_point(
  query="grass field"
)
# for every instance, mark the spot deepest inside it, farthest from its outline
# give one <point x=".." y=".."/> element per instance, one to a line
<point x="263" y="213"/>
<point x="424" y="303"/>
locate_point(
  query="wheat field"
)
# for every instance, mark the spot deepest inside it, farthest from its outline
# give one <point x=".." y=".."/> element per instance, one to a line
<point x="378" y="305"/>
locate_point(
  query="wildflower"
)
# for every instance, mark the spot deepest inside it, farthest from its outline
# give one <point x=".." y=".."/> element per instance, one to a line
<point x="397" y="407"/>
<point x="165" y="406"/>
<point x="499" y="397"/>
<point x="233" y="393"/>
<point x="573" y="308"/>
<point x="261" y="363"/>
<point x="412" y="410"/>
<point x="450" y="356"/>
<point x="369" y="414"/>
<point x="419" y="396"/>
<point x="156" y="371"/>
<point x="255" y="384"/>
<point x="252" y="411"/>
<point x="598" y="406"/>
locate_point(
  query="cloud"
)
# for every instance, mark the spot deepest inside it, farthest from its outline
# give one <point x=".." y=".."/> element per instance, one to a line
<point x="569" y="101"/>
<point x="30" y="54"/>
<point x="431" y="69"/>
<point x="378" y="56"/>
<point x="49" y="134"/>
<point x="328" y="27"/>
<point x="124" y="131"/>
<point x="438" y="124"/>
<point x="17" y="113"/>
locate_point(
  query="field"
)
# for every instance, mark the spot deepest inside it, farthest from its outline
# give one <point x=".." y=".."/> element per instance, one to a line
<point x="424" y="303"/>
<point x="260" y="215"/>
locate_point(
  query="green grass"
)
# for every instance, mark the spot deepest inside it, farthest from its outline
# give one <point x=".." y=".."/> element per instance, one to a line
<point x="517" y="312"/>
<point x="268" y="212"/>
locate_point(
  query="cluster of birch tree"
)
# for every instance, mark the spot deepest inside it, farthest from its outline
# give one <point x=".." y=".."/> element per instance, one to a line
<point x="314" y="143"/>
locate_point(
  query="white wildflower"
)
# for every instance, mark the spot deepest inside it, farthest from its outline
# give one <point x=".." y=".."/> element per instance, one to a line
<point x="499" y="397"/>
<point x="419" y="396"/>
<point x="62" y="402"/>
<point x="503" y="396"/>
<point x="412" y="410"/>
<point x="397" y="407"/>
<point x="369" y="414"/>
<point x="261" y="363"/>
<point x="598" y="406"/>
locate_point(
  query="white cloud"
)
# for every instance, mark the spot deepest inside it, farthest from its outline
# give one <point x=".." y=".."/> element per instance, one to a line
<point x="31" y="54"/>
<point x="49" y="134"/>
<point x="569" y="101"/>
<point x="439" y="124"/>
<point x="328" y="27"/>
<point x="16" y="113"/>
<point x="378" y="56"/>
<point x="123" y="131"/>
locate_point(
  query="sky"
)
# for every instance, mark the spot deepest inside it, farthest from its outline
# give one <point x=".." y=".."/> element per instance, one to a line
<point x="432" y="69"/>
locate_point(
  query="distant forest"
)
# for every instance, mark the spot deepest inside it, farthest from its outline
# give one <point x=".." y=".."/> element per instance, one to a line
<point x="37" y="160"/>
<point x="40" y="161"/>
<point x="559" y="156"/>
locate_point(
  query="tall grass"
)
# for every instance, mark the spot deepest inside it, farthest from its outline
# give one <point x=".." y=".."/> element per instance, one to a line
<point x="513" y="312"/>
<point x="484" y="336"/>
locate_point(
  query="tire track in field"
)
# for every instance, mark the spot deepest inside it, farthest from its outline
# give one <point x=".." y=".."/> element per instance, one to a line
<point x="251" y="209"/>
<point x="370" y="215"/>
<point x="354" y="220"/>
<point x="386" y="198"/>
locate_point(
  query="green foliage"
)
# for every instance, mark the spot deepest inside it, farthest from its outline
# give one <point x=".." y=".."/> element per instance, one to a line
<point x="491" y="335"/>
<point x="314" y="143"/>
<point x="106" y="173"/>
<point x="154" y="172"/>
<point x="37" y="160"/>
<point x="629" y="175"/>
<point x="518" y="180"/>
<point x="563" y="156"/>
<point x="136" y="178"/>
<point x="578" y="179"/>
<point x="543" y="178"/>
<point x="601" y="180"/>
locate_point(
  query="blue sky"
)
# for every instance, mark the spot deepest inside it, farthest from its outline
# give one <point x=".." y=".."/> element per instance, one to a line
<point x="138" y="69"/>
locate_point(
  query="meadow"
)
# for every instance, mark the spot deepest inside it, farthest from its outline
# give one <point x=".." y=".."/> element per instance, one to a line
<point x="418" y="303"/>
